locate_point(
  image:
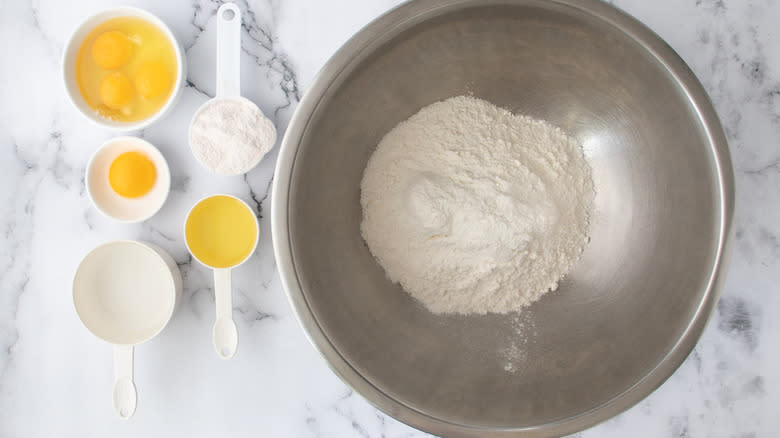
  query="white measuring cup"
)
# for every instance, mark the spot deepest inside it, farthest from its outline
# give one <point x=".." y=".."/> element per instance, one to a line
<point x="211" y="237"/>
<point x="229" y="79"/>
<point x="125" y="293"/>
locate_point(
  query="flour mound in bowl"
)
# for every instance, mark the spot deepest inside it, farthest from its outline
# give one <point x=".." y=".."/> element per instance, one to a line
<point x="473" y="209"/>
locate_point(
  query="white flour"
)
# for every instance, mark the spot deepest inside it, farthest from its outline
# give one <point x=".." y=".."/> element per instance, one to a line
<point x="473" y="209"/>
<point x="230" y="136"/>
<point x="523" y="329"/>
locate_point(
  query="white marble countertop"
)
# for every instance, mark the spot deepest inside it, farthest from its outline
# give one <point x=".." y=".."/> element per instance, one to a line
<point x="55" y="377"/>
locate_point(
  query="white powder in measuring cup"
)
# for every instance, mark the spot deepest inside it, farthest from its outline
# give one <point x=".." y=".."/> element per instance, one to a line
<point x="474" y="209"/>
<point x="229" y="136"/>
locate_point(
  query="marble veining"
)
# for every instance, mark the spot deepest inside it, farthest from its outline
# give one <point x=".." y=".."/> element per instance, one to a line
<point x="55" y="377"/>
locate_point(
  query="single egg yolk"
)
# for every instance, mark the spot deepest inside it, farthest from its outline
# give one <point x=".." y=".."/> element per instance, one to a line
<point x="152" y="80"/>
<point x="111" y="50"/>
<point x="132" y="175"/>
<point x="116" y="90"/>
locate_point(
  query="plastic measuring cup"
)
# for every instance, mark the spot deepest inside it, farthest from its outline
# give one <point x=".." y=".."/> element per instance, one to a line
<point x="125" y="293"/>
<point x="221" y="232"/>
<point x="229" y="93"/>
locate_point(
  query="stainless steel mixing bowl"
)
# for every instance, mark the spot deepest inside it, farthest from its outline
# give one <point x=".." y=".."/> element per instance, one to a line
<point x="633" y="307"/>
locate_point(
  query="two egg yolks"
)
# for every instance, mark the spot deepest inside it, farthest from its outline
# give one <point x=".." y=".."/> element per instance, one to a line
<point x="132" y="175"/>
<point x="151" y="81"/>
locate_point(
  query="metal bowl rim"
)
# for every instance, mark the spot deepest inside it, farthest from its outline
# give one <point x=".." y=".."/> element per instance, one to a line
<point x="412" y="13"/>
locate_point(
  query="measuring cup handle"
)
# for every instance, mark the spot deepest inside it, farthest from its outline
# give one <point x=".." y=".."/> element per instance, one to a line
<point x="125" y="395"/>
<point x="228" y="50"/>
<point x="225" y="331"/>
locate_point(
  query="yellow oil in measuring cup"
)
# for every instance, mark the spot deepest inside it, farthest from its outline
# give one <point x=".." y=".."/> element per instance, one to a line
<point x="221" y="231"/>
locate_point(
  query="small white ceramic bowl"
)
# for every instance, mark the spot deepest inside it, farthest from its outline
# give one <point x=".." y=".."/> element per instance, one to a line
<point x="69" y="68"/>
<point x="108" y="202"/>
